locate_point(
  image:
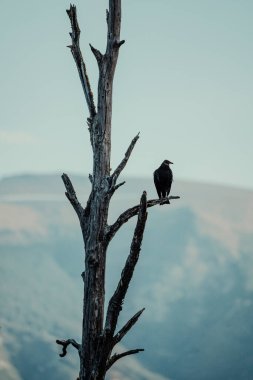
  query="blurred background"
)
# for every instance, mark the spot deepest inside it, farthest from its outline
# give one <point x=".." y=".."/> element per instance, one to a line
<point x="184" y="80"/>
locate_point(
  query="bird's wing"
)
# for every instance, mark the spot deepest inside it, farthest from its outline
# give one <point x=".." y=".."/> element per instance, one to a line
<point x="157" y="183"/>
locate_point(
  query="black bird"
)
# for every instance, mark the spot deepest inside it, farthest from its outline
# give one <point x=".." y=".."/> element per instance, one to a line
<point x="163" y="178"/>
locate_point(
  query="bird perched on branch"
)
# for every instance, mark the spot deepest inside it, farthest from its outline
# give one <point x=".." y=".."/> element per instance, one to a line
<point x="163" y="178"/>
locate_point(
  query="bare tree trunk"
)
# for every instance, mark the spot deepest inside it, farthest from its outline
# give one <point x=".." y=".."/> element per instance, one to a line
<point x="99" y="338"/>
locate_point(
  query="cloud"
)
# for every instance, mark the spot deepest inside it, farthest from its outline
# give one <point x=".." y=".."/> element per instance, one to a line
<point x="14" y="137"/>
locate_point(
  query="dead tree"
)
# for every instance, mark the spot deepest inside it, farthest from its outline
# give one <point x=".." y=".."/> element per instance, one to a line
<point x="99" y="335"/>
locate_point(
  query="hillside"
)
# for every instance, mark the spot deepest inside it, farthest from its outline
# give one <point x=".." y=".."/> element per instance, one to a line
<point x="195" y="278"/>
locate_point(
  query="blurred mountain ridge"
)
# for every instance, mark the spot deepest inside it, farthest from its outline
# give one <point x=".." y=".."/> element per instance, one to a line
<point x="195" y="278"/>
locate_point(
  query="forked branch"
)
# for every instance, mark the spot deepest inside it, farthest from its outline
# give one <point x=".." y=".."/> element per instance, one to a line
<point x="115" y="303"/>
<point x="77" y="54"/>
<point x="129" y="213"/>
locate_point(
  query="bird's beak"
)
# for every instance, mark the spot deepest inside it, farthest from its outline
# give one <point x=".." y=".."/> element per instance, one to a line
<point x="171" y="162"/>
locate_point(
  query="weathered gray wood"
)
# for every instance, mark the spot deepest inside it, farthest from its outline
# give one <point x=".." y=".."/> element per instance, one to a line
<point x="107" y="341"/>
<point x="71" y="195"/>
<point x="116" y="301"/>
<point x="95" y="224"/>
<point x="99" y="338"/>
<point x="128" y="214"/>
<point x="76" y="52"/>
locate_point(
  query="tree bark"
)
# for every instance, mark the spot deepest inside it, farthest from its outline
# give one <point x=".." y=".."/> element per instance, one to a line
<point x="99" y="338"/>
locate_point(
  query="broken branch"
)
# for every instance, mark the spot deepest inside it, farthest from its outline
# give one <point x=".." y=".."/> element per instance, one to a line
<point x="116" y="357"/>
<point x="122" y="332"/>
<point x="77" y="55"/>
<point x="126" y="215"/>
<point x="98" y="55"/>
<point x="116" y="301"/>
<point x="115" y="187"/>
<point x="65" y="344"/>
<point x="71" y="195"/>
<point x="123" y="163"/>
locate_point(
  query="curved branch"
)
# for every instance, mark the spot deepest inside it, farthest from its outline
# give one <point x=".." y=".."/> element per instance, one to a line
<point x="65" y="344"/>
<point x="116" y="301"/>
<point x="77" y="55"/>
<point x="71" y="195"/>
<point x="116" y="357"/>
<point x="126" y="215"/>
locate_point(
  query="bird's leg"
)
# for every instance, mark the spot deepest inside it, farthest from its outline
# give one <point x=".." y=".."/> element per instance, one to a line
<point x="164" y="200"/>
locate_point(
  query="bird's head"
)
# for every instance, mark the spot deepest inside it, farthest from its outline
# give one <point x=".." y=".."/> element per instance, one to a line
<point x="167" y="162"/>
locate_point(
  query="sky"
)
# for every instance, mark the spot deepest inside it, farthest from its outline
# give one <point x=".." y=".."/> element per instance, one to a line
<point x="184" y="80"/>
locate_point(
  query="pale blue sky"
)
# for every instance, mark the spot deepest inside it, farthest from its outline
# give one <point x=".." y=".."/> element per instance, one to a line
<point x="184" y="80"/>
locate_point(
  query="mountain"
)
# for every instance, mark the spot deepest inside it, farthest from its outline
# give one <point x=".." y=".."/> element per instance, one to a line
<point x="194" y="277"/>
